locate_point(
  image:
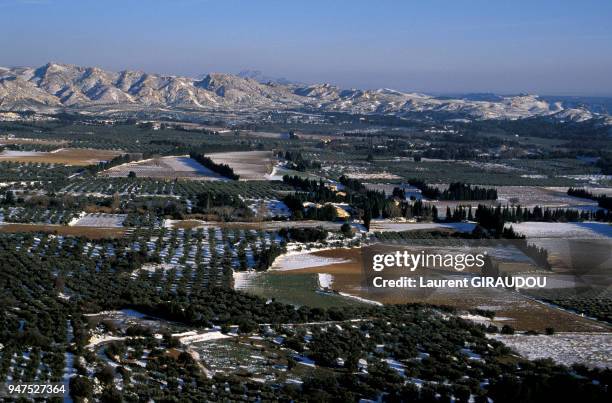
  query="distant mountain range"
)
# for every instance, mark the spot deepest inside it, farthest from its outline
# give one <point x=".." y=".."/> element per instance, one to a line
<point x="63" y="87"/>
<point x="264" y="79"/>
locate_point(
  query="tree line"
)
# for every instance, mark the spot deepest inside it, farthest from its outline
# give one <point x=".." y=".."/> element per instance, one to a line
<point x="603" y="201"/>
<point x="297" y="161"/>
<point x="455" y="191"/>
<point x="494" y="217"/>
<point x="221" y="169"/>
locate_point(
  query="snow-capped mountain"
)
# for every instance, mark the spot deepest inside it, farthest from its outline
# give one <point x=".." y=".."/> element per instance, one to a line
<point x="58" y="87"/>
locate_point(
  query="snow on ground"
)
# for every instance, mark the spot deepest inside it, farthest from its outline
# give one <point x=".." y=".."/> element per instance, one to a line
<point x="386" y="225"/>
<point x="164" y="167"/>
<point x="483" y="320"/>
<point x="153" y="267"/>
<point x="577" y="230"/>
<point x="200" y="337"/>
<point x="591" y="349"/>
<point x="364" y="300"/>
<point x="99" y="339"/>
<point x="16" y="153"/>
<point x="268" y="207"/>
<point x="395" y="365"/>
<point x="276" y="174"/>
<point x="301" y="359"/>
<point x="530" y="196"/>
<point x="294" y="261"/>
<point x="325" y="280"/>
<point x="249" y="165"/>
<point x="101" y="220"/>
<point x="243" y="279"/>
<point x="372" y="176"/>
<point x="596" y="178"/>
<point x="471" y="355"/>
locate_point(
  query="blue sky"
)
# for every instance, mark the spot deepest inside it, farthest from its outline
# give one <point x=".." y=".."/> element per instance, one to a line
<point x="443" y="46"/>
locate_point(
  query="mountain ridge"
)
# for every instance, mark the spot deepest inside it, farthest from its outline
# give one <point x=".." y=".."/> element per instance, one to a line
<point x="56" y="87"/>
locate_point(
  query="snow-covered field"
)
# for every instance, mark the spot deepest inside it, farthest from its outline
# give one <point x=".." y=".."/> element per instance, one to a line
<point x="164" y="167"/>
<point x="268" y="207"/>
<point x="249" y="165"/>
<point x="385" y="225"/>
<point x="295" y="261"/>
<point x="595" y="179"/>
<point x="100" y="220"/>
<point x="530" y="196"/>
<point x="578" y="230"/>
<point x="68" y="156"/>
<point x="243" y="279"/>
<point x="591" y="349"/>
<point x="372" y="176"/>
<point x="16" y="153"/>
<point x="194" y="337"/>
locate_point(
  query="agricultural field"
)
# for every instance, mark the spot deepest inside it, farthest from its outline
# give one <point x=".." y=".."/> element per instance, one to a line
<point x="593" y="301"/>
<point x="31" y="215"/>
<point x="583" y="230"/>
<point x="180" y="188"/>
<point x="99" y="220"/>
<point x="508" y="173"/>
<point x="150" y="276"/>
<point x="63" y="230"/>
<point x="249" y="165"/>
<point x="30" y="141"/>
<point x="344" y="274"/>
<point x="27" y="176"/>
<point x="529" y="196"/>
<point x="255" y="225"/>
<point x="564" y="348"/>
<point x="172" y="167"/>
<point x="65" y="156"/>
<point x="395" y="226"/>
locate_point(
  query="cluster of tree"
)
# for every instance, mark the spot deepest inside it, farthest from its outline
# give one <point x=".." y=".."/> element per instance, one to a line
<point x="402" y="330"/>
<point x="266" y="257"/>
<point x="594" y="302"/>
<point x="455" y="191"/>
<point x="451" y="153"/>
<point x="371" y="203"/>
<point x="207" y="200"/>
<point x="490" y="218"/>
<point x="602" y="200"/>
<point x="118" y="160"/>
<point x="462" y="191"/>
<point x="375" y="205"/>
<point x="429" y="192"/>
<point x="166" y="142"/>
<point x="325" y="212"/>
<point x="538" y="254"/>
<point x="304" y="235"/>
<point x="352" y="184"/>
<point x="222" y="169"/>
<point x="488" y="215"/>
<point x="459" y="213"/>
<point x="538" y="127"/>
<point x="144" y="219"/>
<point x="295" y="203"/>
<point x="298" y="162"/>
<point x="315" y="191"/>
